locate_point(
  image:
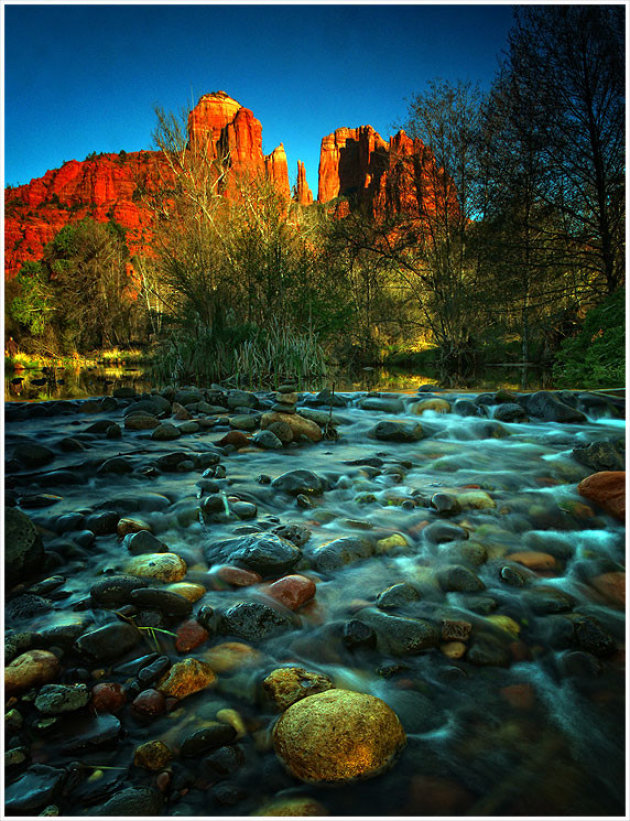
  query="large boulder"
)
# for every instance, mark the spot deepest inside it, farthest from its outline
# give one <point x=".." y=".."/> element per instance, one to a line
<point x="338" y="736"/>
<point x="608" y="490"/>
<point x="300" y="426"/>
<point x="24" y="552"/>
<point x="544" y="405"/>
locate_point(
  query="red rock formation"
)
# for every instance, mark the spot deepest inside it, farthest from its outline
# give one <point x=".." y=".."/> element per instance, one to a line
<point x="112" y="186"/>
<point x="391" y="178"/>
<point x="303" y="194"/>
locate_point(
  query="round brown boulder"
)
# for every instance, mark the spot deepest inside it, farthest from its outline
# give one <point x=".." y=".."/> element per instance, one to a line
<point x="338" y="736"/>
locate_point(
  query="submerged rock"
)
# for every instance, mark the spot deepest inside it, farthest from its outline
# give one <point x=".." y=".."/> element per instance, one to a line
<point x="264" y="553"/>
<point x="255" y="621"/>
<point x="31" y="669"/>
<point x="607" y="489"/>
<point x="162" y="567"/>
<point x="338" y="736"/>
<point x="286" y="685"/>
<point x="390" y="431"/>
<point x="24" y="551"/>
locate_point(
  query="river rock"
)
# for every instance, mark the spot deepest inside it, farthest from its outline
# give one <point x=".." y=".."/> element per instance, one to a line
<point x="32" y="455"/>
<point x="395" y="431"/>
<point x="35" y="789"/>
<point x="387" y="404"/>
<point x="214" y="735"/>
<point x="475" y="500"/>
<point x="53" y="699"/>
<point x="299" y="481"/>
<point x="299" y="425"/>
<point x="612" y="587"/>
<point x="544" y="599"/>
<point x="400" y="636"/>
<point x="286" y="685"/>
<point x="601" y="456"/>
<point x="108" y="697"/>
<point x="108" y="642"/>
<point x="292" y="591"/>
<point x="153" y="755"/>
<point x="31" y="669"/>
<point x="267" y="439"/>
<point x="264" y="553"/>
<point x="435" y="405"/>
<point x="338" y="736"/>
<point x="167" y="602"/>
<point x="115" y="590"/>
<point x="190" y="635"/>
<point x="544" y="405"/>
<point x="231" y="656"/>
<point x="439" y="532"/>
<point x="141" y="420"/>
<point x="166" y="432"/>
<point x="149" y="704"/>
<point x="162" y="567"/>
<point x="132" y="801"/>
<point x="510" y="412"/>
<point x="24" y="551"/>
<point x="187" y="677"/>
<point x="282" y="430"/>
<point x="397" y="595"/>
<point x="607" y="489"/>
<point x="143" y="541"/>
<point x="298" y="806"/>
<point x="340" y="552"/>
<point x="456" y="578"/>
<point x="254" y="621"/>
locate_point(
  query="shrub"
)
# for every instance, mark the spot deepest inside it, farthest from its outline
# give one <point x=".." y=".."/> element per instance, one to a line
<point x="595" y="358"/>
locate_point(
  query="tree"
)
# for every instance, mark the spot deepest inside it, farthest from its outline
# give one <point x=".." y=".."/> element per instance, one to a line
<point x="566" y="63"/>
<point x="33" y="306"/>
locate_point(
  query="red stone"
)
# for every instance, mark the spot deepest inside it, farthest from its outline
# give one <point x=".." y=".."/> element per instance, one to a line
<point x="608" y="490"/>
<point x="108" y="697"/>
<point x="149" y="703"/>
<point x="238" y="576"/>
<point x="190" y="634"/>
<point x="234" y="437"/>
<point x="292" y="591"/>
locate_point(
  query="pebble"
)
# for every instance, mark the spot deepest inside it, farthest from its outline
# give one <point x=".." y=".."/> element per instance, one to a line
<point x="153" y="755"/>
<point x="162" y="567"/>
<point x="187" y="677"/>
<point x="24" y="551"/>
<point x="108" y="642"/>
<point x="295" y="482"/>
<point x="167" y="602"/>
<point x="190" y="635"/>
<point x="149" y="703"/>
<point x="391" y="431"/>
<point x="298" y="806"/>
<point x="607" y="489"/>
<point x="286" y="685"/>
<point x="108" y="697"/>
<point x="292" y="591"/>
<point x="264" y="553"/>
<point x="298" y="425"/>
<point x="209" y="738"/>
<point x="338" y="736"/>
<point x="230" y="656"/>
<point x="31" y="669"/>
<point x="53" y="699"/>
<point x="255" y="621"/>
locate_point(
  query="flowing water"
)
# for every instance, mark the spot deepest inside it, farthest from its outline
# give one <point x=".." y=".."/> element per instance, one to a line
<point x="525" y="717"/>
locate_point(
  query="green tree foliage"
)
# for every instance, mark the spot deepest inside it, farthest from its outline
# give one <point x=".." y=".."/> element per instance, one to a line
<point x="33" y="307"/>
<point x="596" y="356"/>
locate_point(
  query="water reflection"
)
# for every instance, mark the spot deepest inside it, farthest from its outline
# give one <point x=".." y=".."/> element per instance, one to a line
<point x="81" y="383"/>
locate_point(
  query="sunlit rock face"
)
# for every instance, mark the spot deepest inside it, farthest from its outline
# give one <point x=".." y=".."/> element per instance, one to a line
<point x="303" y="194"/>
<point x="399" y="176"/>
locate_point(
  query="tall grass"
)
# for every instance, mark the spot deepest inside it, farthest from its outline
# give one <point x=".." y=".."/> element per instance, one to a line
<point x="264" y="358"/>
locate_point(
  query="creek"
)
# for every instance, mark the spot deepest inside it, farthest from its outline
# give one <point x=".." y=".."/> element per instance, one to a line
<point x="473" y="526"/>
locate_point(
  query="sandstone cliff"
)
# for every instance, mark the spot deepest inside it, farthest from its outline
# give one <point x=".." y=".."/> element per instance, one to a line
<point x="303" y="194"/>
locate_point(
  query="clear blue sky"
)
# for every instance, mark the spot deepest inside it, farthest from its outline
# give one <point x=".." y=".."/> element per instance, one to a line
<point x="84" y="78"/>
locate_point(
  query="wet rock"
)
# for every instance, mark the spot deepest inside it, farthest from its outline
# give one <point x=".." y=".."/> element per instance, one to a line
<point x="238" y="576"/>
<point x="292" y="806"/>
<point x="153" y="669"/>
<point x="401" y="636"/>
<point x="439" y="532"/>
<point x="515" y="575"/>
<point x="166" y="432"/>
<point x="544" y="405"/>
<point x="102" y="523"/>
<point x="115" y="590"/>
<point x="445" y="503"/>
<point x="533" y="559"/>
<point x="456" y="578"/>
<point x="32" y="455"/>
<point x="143" y="541"/>
<point x="231" y="656"/>
<point x="26" y="606"/>
<point x="592" y="637"/>
<point x="299" y="481"/>
<point x="292" y="591"/>
<point x="53" y="699"/>
<point x="282" y="430"/>
<point x="24" y="551"/>
<point x="266" y="439"/>
<point x="601" y="456"/>
<point x="155" y="598"/>
<point x="162" y="567"/>
<point x="244" y="421"/>
<point x="607" y="489"/>
<point x="255" y="621"/>
<point x="397" y="595"/>
<point x="338" y="736"/>
<point x="209" y="738"/>
<point x="382" y="403"/>
<point x="264" y="553"/>
<point x="475" y="500"/>
<point x="85" y="733"/>
<point x="153" y="755"/>
<point x="108" y="697"/>
<point x="38" y="787"/>
<point x="133" y="801"/>
<point x="286" y="685"/>
<point x="141" y="420"/>
<point x="390" y="431"/>
<point x="464" y="407"/>
<point x="340" y="552"/>
<point x="417" y="713"/>
<point x="612" y="586"/>
<point x="236" y="438"/>
<point x="176" y="462"/>
<point x="187" y="677"/>
<point x="149" y="703"/>
<point x="31" y="669"/>
<point x="17" y="643"/>
<point x="108" y="642"/>
<point x="543" y="600"/>
<point x="299" y="425"/>
<point x="190" y="635"/>
<point x="510" y="412"/>
<point x="117" y="464"/>
<point x="486" y="651"/>
<point x="435" y="405"/>
<point x="294" y="533"/>
<point x="357" y="635"/>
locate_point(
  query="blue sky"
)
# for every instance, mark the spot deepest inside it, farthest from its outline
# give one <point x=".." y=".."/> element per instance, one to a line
<point x="82" y="78"/>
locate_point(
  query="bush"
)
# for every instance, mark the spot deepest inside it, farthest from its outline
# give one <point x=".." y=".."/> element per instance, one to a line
<point x="595" y="358"/>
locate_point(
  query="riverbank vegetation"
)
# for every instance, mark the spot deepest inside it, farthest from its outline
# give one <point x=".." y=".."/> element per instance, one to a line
<point x="521" y="261"/>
